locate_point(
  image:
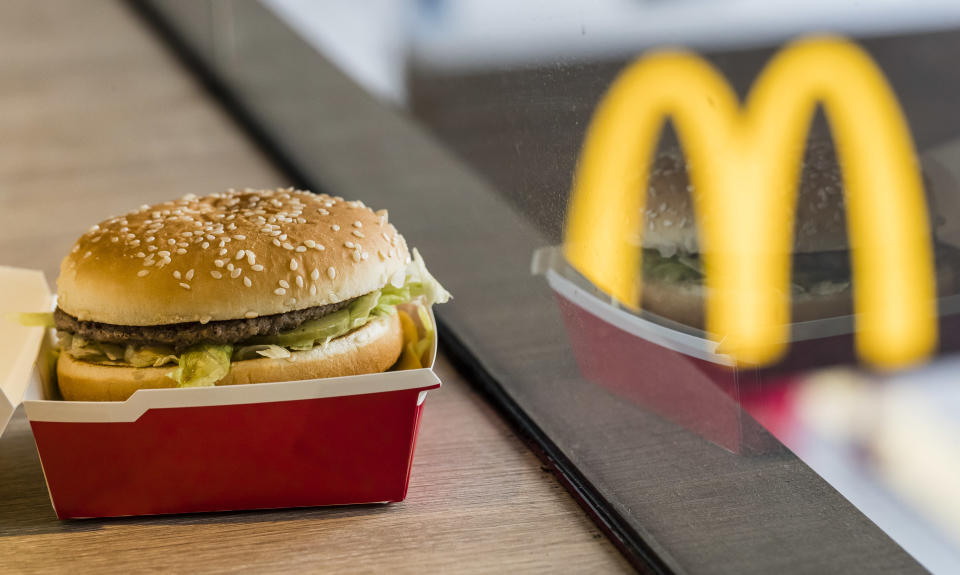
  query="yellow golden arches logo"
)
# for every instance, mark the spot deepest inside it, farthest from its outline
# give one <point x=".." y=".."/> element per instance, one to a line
<point x="745" y="165"/>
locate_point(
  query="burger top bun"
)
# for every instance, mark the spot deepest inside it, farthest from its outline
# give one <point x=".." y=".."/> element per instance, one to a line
<point x="820" y="226"/>
<point x="233" y="255"/>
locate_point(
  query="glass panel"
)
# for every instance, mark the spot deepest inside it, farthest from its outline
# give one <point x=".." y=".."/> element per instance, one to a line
<point x="465" y="120"/>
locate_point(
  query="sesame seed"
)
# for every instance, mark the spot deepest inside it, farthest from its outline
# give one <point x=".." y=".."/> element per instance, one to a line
<point x="141" y="255"/>
<point x="315" y="274"/>
<point x="216" y="275"/>
<point x="300" y="249"/>
<point x="184" y="286"/>
<point x="230" y="266"/>
<point x="205" y="319"/>
<point x="257" y="268"/>
<point x="222" y="252"/>
<point x="113" y="240"/>
<point x="385" y="236"/>
<point x="358" y="224"/>
<point x="364" y="255"/>
<point x="176" y="274"/>
<point x="189" y="275"/>
<point x="218" y="263"/>
<point x="356" y="256"/>
<point x="313" y="290"/>
<point x="282" y="237"/>
<point x="251" y="257"/>
<point x="332" y="272"/>
<point x="300" y="281"/>
<point x="284" y="283"/>
<point x="319" y="247"/>
<point x="358" y="233"/>
<point x="205" y="245"/>
<point x="323" y="212"/>
<point x="250" y="314"/>
<point x="163" y="253"/>
<point x="240" y="254"/>
<point x="239" y="236"/>
<point x="293" y="265"/>
<point x="276" y="242"/>
<point x="236" y="273"/>
<point x="287" y="246"/>
<point x="247" y="282"/>
<point x="280" y="291"/>
<point x="349" y="245"/>
<point x="335" y="228"/>
<point x="181" y="251"/>
<point x="142" y="273"/>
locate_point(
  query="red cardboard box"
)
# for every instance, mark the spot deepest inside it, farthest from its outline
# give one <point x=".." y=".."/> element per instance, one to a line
<point x="676" y="372"/>
<point x="316" y="442"/>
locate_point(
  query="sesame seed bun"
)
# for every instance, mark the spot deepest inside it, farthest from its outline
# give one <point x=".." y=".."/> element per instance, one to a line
<point x="820" y="226"/>
<point x="373" y="348"/>
<point x="234" y="255"/>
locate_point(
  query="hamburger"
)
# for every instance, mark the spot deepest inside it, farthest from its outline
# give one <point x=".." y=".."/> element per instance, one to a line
<point x="234" y="288"/>
<point x="821" y="287"/>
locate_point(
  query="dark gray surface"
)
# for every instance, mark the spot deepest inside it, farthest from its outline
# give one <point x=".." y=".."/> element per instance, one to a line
<point x="701" y="508"/>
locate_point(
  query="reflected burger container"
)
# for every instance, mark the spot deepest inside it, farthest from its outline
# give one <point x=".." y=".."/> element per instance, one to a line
<point x="676" y="371"/>
<point x="271" y="443"/>
<point x="671" y="366"/>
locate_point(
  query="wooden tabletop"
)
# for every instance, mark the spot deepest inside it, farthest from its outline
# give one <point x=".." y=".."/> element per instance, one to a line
<point x="98" y="118"/>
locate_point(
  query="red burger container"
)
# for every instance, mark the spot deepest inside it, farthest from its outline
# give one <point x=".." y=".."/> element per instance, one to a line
<point x="332" y="441"/>
<point x="677" y="372"/>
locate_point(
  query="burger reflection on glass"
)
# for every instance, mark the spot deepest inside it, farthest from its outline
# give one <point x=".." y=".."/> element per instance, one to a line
<point x="821" y="281"/>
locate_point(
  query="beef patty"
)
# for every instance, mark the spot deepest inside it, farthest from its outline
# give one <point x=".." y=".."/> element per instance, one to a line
<point x="181" y="335"/>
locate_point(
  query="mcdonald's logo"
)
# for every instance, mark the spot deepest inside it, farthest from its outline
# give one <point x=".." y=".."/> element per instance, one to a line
<point x="744" y="163"/>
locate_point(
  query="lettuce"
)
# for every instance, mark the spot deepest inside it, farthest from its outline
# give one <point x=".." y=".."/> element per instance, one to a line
<point x="259" y="351"/>
<point x="42" y="319"/>
<point x="149" y="355"/>
<point x="421" y="283"/>
<point x="310" y="332"/>
<point x="361" y="307"/>
<point x="202" y="365"/>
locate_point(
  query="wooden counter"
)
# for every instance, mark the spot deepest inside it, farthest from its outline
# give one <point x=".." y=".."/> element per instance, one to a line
<point x="97" y="118"/>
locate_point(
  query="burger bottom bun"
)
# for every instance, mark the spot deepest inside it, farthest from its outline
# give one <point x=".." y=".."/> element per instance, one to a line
<point x="684" y="303"/>
<point x="373" y="348"/>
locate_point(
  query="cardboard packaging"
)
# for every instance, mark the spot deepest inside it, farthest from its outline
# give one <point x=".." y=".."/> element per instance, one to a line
<point x="331" y="441"/>
<point x="678" y="373"/>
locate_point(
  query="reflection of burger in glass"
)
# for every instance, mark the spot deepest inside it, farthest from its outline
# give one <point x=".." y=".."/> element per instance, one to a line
<point x="239" y="287"/>
<point x="820" y="278"/>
